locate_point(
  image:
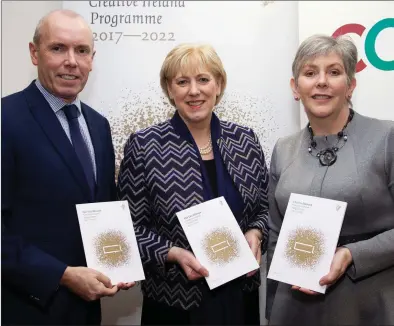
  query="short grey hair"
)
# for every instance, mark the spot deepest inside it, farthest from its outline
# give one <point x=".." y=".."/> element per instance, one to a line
<point x="38" y="31"/>
<point x="318" y="44"/>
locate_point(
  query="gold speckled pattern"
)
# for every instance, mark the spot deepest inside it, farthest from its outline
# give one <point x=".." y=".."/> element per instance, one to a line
<point x="112" y="249"/>
<point x="220" y="246"/>
<point x="305" y="247"/>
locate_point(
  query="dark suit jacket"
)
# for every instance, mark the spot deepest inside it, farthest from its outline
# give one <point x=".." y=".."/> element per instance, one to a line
<point x="42" y="181"/>
<point x="161" y="175"/>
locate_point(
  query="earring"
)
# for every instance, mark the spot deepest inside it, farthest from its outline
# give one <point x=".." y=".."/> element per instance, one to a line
<point x="296" y="98"/>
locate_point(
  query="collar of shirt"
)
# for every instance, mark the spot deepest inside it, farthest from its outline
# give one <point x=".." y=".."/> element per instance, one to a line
<point x="57" y="103"/>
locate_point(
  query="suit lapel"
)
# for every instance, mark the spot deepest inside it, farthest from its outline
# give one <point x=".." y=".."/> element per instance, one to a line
<point x="51" y="126"/>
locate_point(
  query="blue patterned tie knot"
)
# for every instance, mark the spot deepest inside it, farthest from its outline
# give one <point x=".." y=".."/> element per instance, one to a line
<point x="71" y="111"/>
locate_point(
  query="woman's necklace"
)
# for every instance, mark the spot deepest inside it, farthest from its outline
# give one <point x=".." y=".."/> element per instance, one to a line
<point x="207" y="149"/>
<point x="328" y="156"/>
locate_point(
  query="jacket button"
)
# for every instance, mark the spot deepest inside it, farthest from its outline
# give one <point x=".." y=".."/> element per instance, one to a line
<point x="34" y="298"/>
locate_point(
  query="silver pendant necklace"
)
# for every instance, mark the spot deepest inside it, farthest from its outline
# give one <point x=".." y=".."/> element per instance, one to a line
<point x="328" y="156"/>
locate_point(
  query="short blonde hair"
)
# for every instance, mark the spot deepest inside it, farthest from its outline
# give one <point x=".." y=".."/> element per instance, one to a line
<point x="192" y="56"/>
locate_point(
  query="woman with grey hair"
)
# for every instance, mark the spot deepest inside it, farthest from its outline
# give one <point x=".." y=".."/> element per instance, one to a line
<point x="340" y="155"/>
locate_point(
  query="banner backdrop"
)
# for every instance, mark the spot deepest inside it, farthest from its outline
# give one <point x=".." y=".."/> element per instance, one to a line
<point x="256" y="41"/>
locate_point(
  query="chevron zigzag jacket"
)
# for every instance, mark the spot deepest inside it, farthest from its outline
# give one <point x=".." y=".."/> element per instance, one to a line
<point x="161" y="175"/>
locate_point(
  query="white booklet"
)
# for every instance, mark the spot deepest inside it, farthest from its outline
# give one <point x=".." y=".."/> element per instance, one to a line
<point x="109" y="240"/>
<point x="217" y="241"/>
<point x="307" y="241"/>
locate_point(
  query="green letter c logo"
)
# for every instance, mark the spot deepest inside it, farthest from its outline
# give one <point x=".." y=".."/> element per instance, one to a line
<point x="370" y="41"/>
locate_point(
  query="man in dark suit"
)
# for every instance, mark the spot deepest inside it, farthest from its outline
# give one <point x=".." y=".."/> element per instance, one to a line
<point x="56" y="152"/>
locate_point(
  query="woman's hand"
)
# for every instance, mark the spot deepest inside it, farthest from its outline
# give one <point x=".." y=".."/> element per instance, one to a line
<point x="190" y="265"/>
<point x="341" y="261"/>
<point x="254" y="238"/>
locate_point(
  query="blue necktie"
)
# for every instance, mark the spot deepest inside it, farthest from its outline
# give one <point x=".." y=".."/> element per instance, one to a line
<point x="71" y="112"/>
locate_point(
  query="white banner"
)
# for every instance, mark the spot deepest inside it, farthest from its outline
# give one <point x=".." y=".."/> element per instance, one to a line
<point x="256" y="41"/>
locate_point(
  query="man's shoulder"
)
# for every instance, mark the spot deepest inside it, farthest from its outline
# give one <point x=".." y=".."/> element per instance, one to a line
<point x="94" y="113"/>
<point x="19" y="101"/>
<point x="12" y="98"/>
<point x="13" y="104"/>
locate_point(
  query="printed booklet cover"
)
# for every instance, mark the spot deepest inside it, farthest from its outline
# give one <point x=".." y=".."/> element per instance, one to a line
<point x="217" y="241"/>
<point x="109" y="240"/>
<point x="307" y="241"/>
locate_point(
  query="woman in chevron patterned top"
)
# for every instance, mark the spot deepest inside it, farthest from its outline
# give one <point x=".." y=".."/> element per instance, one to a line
<point x="345" y="156"/>
<point x="189" y="159"/>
